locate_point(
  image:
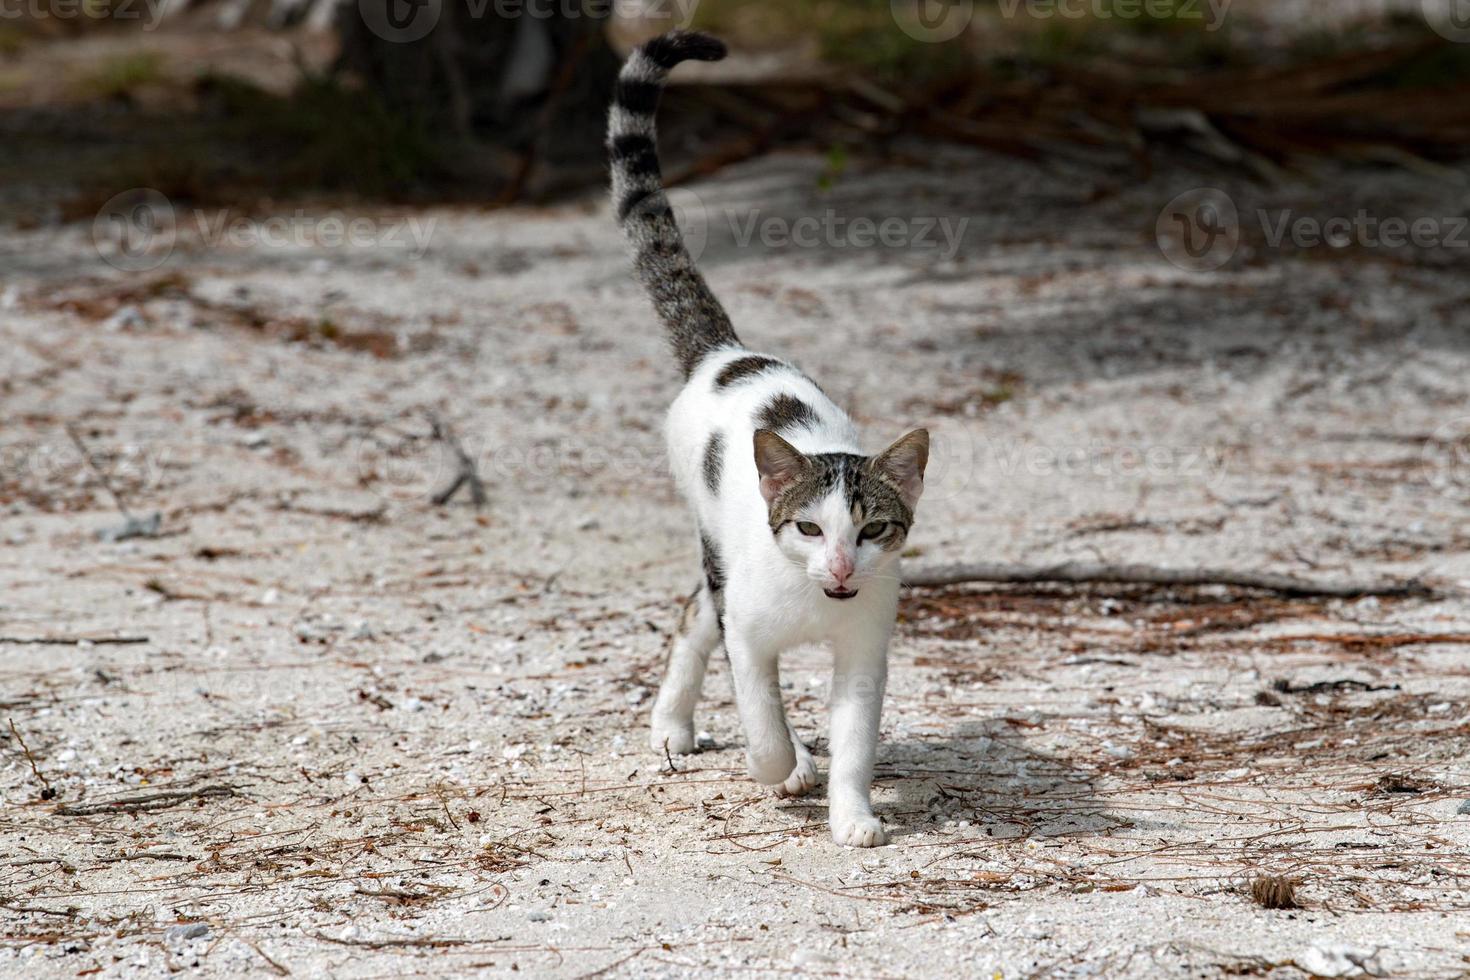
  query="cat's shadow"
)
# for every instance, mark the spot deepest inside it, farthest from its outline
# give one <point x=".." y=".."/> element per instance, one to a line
<point x="985" y="778"/>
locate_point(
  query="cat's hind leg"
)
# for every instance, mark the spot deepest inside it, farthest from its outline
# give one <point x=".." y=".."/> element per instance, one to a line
<point x="698" y="635"/>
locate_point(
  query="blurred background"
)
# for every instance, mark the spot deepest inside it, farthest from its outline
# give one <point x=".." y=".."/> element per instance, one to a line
<point x="248" y="102"/>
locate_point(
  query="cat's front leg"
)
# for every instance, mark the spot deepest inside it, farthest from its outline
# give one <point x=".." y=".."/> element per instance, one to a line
<point x="768" y="749"/>
<point x="858" y="680"/>
<point x="803" y="778"/>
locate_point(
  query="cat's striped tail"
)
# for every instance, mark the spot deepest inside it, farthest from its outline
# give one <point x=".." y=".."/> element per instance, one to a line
<point x="696" y="321"/>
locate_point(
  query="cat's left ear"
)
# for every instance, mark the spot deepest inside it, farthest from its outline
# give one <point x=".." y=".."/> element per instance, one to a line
<point x="904" y="462"/>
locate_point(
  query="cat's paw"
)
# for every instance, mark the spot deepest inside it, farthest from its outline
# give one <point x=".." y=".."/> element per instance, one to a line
<point x="677" y="739"/>
<point x="771" y="767"/>
<point x="864" y="830"/>
<point x="801" y="780"/>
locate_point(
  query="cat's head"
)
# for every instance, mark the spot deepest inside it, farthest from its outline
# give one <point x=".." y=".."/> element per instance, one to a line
<point x="841" y="517"/>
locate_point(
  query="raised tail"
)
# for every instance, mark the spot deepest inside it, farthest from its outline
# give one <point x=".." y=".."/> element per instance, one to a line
<point x="696" y="321"/>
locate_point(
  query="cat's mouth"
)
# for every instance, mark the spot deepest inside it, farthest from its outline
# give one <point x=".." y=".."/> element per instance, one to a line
<point x="840" y="593"/>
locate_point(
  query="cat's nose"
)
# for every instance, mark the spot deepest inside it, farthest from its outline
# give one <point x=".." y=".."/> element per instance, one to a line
<point x="840" y="565"/>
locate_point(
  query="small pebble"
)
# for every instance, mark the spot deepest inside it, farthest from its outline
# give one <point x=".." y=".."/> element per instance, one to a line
<point x="191" y="930"/>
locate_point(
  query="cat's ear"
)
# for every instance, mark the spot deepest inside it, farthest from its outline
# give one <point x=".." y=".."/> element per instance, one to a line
<point x="778" y="462"/>
<point x="904" y="462"/>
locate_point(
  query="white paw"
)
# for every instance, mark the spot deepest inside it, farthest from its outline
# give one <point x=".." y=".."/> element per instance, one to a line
<point x="676" y="738"/>
<point x="860" y="831"/>
<point x="802" y="778"/>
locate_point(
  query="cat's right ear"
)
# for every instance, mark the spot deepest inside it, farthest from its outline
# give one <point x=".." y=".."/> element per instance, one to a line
<point x="778" y="462"/>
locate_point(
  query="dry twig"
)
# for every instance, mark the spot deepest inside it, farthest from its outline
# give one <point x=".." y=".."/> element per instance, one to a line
<point x="74" y="641"/>
<point x="467" y="472"/>
<point x="146" y="802"/>
<point x="1081" y="572"/>
<point x="133" y="526"/>
<point x="47" y="790"/>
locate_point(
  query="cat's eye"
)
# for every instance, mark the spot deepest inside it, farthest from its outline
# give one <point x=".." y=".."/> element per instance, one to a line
<point x="874" y="529"/>
<point x="809" y="529"/>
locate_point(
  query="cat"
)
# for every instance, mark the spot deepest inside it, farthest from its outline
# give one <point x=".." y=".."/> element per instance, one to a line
<point x="799" y="533"/>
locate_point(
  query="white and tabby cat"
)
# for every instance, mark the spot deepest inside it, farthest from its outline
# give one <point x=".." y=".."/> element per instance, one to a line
<point x="798" y="531"/>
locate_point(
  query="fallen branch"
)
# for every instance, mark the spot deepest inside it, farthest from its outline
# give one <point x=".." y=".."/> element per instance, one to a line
<point x="1080" y="572"/>
<point x="145" y="803"/>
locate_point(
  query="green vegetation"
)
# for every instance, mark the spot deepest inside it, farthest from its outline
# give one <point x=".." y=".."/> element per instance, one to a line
<point x="833" y="168"/>
<point x="858" y="34"/>
<point x="119" y="77"/>
<point x="246" y="142"/>
<point x="1442" y="67"/>
<point x="326" y="135"/>
<point x="12" y="40"/>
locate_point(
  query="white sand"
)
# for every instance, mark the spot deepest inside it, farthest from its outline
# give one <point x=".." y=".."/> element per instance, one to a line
<point x="434" y="719"/>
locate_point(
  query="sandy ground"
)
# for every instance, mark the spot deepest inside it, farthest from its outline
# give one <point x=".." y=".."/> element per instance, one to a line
<point x="409" y="740"/>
